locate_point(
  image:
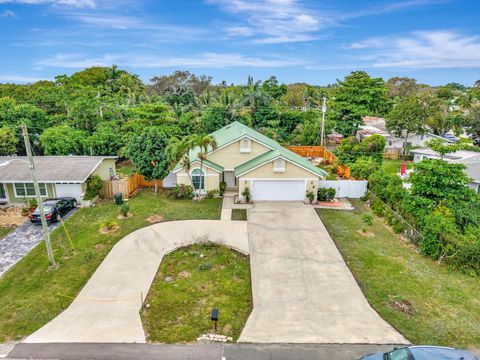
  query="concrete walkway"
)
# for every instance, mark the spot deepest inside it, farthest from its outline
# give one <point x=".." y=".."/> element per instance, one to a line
<point x="303" y="292"/>
<point x="107" y="308"/>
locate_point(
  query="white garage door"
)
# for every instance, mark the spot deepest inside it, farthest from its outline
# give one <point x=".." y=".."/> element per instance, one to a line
<point x="69" y="190"/>
<point x="285" y="190"/>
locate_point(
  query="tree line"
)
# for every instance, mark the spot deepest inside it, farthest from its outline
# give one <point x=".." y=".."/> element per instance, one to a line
<point x="99" y="110"/>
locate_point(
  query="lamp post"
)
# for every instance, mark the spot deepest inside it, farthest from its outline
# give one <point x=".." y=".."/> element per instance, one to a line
<point x="36" y="187"/>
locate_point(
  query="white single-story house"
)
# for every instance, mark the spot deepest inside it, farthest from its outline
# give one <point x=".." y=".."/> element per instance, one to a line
<point x="471" y="159"/>
<point x="58" y="176"/>
<point x="376" y="126"/>
<point x="245" y="158"/>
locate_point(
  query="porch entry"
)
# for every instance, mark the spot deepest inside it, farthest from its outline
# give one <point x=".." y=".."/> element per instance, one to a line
<point x="230" y="180"/>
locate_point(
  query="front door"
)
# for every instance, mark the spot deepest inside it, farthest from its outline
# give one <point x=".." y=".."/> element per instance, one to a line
<point x="229" y="178"/>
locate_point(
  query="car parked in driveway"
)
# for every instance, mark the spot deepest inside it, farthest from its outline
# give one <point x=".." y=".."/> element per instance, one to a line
<point x="54" y="209"/>
<point x="422" y="352"/>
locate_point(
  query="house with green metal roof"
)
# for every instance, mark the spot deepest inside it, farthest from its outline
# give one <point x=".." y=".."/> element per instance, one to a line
<point x="245" y="158"/>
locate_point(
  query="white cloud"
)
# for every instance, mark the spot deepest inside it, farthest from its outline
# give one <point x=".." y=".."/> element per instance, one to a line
<point x="73" y="3"/>
<point x="273" y="21"/>
<point x="425" y="49"/>
<point x="19" y="79"/>
<point x="391" y="7"/>
<point x="8" y="13"/>
<point x="202" y="60"/>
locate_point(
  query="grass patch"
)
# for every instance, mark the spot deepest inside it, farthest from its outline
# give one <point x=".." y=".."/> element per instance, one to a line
<point x="239" y="214"/>
<point x="190" y="282"/>
<point x="126" y="169"/>
<point x="427" y="302"/>
<point x="28" y="291"/>
<point x="394" y="166"/>
<point x="4" y="230"/>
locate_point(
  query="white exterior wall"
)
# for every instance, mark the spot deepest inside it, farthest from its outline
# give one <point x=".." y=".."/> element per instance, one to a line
<point x="354" y="189"/>
<point x="170" y="181"/>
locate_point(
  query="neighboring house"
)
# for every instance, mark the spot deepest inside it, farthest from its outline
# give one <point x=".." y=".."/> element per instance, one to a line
<point x="376" y="125"/>
<point x="244" y="158"/>
<point x="57" y="175"/>
<point x="471" y="159"/>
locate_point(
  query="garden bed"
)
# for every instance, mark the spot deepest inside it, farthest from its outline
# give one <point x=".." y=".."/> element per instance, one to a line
<point x="190" y="282"/>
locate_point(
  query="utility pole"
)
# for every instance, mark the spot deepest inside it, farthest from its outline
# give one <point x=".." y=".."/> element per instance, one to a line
<point x="322" y="127"/>
<point x="31" y="165"/>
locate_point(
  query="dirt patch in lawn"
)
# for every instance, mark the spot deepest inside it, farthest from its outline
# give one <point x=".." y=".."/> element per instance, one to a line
<point x="153" y="219"/>
<point x="11" y="216"/>
<point x="403" y="306"/>
<point x="365" y="233"/>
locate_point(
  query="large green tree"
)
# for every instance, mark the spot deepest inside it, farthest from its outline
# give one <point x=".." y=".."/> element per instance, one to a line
<point x="8" y="141"/>
<point x="409" y="116"/>
<point x="356" y="96"/>
<point x="63" y="140"/>
<point x="146" y="150"/>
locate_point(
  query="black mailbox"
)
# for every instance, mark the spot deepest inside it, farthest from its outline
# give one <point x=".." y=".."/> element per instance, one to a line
<point x="214" y="314"/>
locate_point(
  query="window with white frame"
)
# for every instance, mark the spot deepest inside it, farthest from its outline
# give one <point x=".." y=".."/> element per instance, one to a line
<point x="245" y="145"/>
<point x="28" y="190"/>
<point x="279" y="165"/>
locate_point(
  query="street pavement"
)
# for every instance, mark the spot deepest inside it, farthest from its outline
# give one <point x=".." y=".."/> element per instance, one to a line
<point x="196" y="352"/>
<point x="192" y="352"/>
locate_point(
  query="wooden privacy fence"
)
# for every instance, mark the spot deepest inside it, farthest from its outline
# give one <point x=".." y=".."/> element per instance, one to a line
<point x="127" y="186"/>
<point x="328" y="158"/>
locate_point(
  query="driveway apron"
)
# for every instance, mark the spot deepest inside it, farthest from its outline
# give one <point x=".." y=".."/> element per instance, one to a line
<point x="303" y="292"/>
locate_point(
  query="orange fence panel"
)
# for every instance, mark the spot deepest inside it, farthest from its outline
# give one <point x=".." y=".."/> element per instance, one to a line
<point x="323" y="152"/>
<point x="127" y="186"/>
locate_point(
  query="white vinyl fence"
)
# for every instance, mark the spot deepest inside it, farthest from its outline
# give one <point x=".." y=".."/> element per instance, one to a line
<point x="346" y="188"/>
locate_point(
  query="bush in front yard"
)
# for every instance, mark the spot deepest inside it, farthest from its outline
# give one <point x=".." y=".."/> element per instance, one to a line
<point x="94" y="187"/>
<point x="363" y="168"/>
<point x="183" y="191"/>
<point x="326" y="194"/>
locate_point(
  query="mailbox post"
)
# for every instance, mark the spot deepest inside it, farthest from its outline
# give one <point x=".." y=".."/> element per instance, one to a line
<point x="214" y="317"/>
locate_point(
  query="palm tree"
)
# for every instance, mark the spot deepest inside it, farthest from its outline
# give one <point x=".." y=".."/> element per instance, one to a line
<point x="205" y="143"/>
<point x="113" y="74"/>
<point x="204" y="100"/>
<point x="253" y="94"/>
<point x="178" y="151"/>
<point x="231" y="104"/>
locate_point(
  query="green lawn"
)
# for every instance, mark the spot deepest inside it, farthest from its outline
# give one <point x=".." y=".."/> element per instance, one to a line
<point x="28" y="291"/>
<point x="394" y="166"/>
<point x="239" y="214"/>
<point x="443" y="303"/>
<point x="125" y="169"/>
<point x="190" y="282"/>
<point x="4" y="230"/>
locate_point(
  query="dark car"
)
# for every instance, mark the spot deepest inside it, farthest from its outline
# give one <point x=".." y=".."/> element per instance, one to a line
<point x="54" y="209"/>
<point x="422" y="352"/>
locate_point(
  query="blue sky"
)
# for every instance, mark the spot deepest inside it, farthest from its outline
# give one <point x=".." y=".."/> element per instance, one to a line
<point x="314" y="41"/>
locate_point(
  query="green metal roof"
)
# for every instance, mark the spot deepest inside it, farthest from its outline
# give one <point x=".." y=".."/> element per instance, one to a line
<point x="213" y="165"/>
<point x="235" y="131"/>
<point x="279" y="152"/>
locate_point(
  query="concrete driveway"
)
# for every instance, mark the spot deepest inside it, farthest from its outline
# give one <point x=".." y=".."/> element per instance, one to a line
<point x="21" y="241"/>
<point x="107" y="309"/>
<point x="303" y="292"/>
